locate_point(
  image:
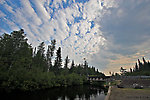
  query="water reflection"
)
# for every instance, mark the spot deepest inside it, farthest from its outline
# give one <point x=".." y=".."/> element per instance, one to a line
<point x="85" y="92"/>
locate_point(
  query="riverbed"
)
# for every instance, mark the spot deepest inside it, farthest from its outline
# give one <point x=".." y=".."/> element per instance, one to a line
<point x="84" y="92"/>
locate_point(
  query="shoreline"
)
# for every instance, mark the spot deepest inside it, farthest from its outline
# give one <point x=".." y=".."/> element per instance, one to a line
<point x="108" y="93"/>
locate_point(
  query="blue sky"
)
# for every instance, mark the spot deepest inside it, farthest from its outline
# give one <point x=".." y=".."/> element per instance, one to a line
<point x="108" y="33"/>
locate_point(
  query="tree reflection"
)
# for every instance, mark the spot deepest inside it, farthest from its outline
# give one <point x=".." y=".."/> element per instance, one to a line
<point x="62" y="93"/>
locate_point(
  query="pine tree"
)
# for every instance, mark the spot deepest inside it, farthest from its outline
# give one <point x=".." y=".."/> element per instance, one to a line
<point x="97" y="71"/>
<point x="6" y="51"/>
<point x="39" y="59"/>
<point x="50" y="53"/>
<point x="145" y="64"/>
<point x="58" y="59"/>
<point x="144" y="61"/>
<point x="131" y="70"/>
<point x="14" y="50"/>
<point x="85" y="64"/>
<point x="148" y="65"/>
<point x="136" y="67"/>
<point x="41" y="49"/>
<point x="72" y="64"/>
<point x="85" y="67"/>
<point x="140" y="65"/>
<point x="66" y="63"/>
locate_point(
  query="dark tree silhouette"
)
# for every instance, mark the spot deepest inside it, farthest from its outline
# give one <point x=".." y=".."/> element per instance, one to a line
<point x="140" y="68"/>
<point x="67" y="60"/>
<point x="50" y="53"/>
<point x="58" y="59"/>
<point x="136" y="67"/>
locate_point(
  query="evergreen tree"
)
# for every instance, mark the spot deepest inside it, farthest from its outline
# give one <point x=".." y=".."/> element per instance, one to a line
<point x="140" y="65"/>
<point x="148" y="65"/>
<point x="136" y="67"/>
<point x="72" y="68"/>
<point x="66" y="63"/>
<point x="85" y="67"/>
<point x="58" y="59"/>
<point x="144" y="61"/>
<point x="6" y="51"/>
<point x="145" y="65"/>
<point x="41" y="50"/>
<point x="39" y="59"/>
<point x="14" y="50"/>
<point x="131" y="70"/>
<point x="50" y="53"/>
<point x="85" y="64"/>
<point x="72" y="64"/>
<point x="98" y="71"/>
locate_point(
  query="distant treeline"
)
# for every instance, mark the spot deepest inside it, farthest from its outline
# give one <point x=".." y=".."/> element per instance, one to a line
<point x="25" y="68"/>
<point x="140" y="69"/>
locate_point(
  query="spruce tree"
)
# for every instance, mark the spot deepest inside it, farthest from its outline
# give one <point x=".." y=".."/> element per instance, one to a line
<point x="85" y="64"/>
<point x="136" y="67"/>
<point x="39" y="59"/>
<point x="58" y="59"/>
<point x="41" y="49"/>
<point x="72" y="64"/>
<point x="140" y="65"/>
<point x="131" y="70"/>
<point x="144" y="61"/>
<point x="66" y="63"/>
<point x="14" y="50"/>
<point x="50" y="53"/>
<point x="145" y="65"/>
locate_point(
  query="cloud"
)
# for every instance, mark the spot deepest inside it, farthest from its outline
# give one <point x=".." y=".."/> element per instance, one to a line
<point x="126" y="29"/>
<point x="2" y="14"/>
<point x="2" y="1"/>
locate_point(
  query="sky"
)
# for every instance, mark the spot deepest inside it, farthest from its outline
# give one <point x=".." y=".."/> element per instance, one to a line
<point x="109" y="33"/>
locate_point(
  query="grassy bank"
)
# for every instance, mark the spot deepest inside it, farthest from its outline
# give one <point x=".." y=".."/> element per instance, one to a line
<point x="129" y="94"/>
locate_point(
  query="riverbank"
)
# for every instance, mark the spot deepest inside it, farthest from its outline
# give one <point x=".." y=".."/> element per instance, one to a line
<point x="128" y="94"/>
<point x="108" y="93"/>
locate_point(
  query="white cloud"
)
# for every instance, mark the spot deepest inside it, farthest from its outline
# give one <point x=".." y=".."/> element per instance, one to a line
<point x="29" y="13"/>
<point x="9" y="8"/>
<point x="2" y="1"/>
<point x="120" y="13"/>
<point x="41" y="11"/>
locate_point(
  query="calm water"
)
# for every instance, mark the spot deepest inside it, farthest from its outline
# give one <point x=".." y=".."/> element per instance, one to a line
<point x="85" y="92"/>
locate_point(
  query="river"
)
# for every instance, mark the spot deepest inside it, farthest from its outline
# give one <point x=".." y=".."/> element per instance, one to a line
<point x="85" y="92"/>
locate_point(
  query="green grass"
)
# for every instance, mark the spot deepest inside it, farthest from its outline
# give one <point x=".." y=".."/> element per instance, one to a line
<point x="129" y="94"/>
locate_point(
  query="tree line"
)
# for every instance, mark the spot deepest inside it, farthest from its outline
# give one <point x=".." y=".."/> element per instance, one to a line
<point x="25" y="68"/>
<point x="138" y="70"/>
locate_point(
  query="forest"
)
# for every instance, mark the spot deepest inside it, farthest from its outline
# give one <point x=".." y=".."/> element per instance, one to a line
<point x="25" y="68"/>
